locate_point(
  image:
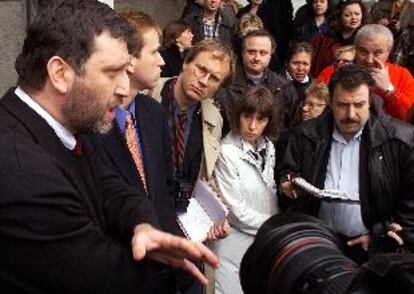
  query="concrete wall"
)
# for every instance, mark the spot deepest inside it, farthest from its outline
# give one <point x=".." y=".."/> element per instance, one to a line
<point x="13" y="15"/>
<point x="12" y="31"/>
<point x="162" y="10"/>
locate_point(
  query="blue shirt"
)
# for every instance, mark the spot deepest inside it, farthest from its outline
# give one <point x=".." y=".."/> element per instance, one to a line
<point x="121" y="115"/>
<point x="343" y="174"/>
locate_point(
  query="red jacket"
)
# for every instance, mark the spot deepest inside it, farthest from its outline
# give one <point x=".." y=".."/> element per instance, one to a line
<point x="396" y="104"/>
<point x="326" y="74"/>
<point x="401" y="100"/>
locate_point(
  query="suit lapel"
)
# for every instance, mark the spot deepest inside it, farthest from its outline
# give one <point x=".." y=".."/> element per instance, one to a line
<point x="44" y="136"/>
<point x="150" y="140"/>
<point x="117" y="150"/>
<point x="41" y="132"/>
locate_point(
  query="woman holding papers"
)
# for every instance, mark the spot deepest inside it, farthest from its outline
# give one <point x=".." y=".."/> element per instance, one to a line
<point x="244" y="174"/>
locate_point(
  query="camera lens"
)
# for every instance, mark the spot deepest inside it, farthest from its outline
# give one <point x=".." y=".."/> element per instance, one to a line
<point x="295" y="253"/>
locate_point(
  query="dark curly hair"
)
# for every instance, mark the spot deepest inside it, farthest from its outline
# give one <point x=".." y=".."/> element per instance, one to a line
<point x="351" y="77"/>
<point x="67" y="28"/>
<point x="336" y="23"/>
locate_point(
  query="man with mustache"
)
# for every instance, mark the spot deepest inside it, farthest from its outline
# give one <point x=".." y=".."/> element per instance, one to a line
<point x="393" y="83"/>
<point x="257" y="49"/>
<point x="67" y="223"/>
<point x="368" y="155"/>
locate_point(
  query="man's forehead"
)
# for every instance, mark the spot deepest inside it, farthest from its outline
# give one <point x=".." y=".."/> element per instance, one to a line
<point x="206" y="56"/>
<point x="377" y="41"/>
<point x="214" y="61"/>
<point x="359" y="93"/>
<point x="108" y="49"/>
<point x="256" y="40"/>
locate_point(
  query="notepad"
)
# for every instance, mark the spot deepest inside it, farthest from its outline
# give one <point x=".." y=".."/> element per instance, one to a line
<point x="332" y="194"/>
<point x="204" y="209"/>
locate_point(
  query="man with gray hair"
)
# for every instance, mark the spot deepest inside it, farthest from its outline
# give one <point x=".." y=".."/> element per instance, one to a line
<point x="394" y="84"/>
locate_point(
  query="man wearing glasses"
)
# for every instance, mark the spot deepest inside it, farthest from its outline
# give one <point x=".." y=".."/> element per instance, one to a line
<point x="195" y="123"/>
<point x="194" y="120"/>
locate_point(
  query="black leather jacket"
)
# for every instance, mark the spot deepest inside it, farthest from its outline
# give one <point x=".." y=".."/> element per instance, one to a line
<point x="386" y="169"/>
<point x="226" y="97"/>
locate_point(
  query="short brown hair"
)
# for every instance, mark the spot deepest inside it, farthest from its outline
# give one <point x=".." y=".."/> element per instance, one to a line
<point x="261" y="100"/>
<point x="319" y="91"/>
<point x="142" y="23"/>
<point x="260" y="33"/>
<point x="172" y="31"/>
<point x="220" y="51"/>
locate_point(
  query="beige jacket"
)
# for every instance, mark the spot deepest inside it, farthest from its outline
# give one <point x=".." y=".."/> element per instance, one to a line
<point x="212" y="127"/>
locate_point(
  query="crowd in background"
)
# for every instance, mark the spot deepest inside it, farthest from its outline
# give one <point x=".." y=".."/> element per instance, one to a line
<point x="114" y="121"/>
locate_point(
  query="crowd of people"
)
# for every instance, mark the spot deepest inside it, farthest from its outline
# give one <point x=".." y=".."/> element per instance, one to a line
<point x="114" y="119"/>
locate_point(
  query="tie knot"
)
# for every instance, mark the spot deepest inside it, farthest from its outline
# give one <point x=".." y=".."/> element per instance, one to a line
<point x="129" y="121"/>
<point x="78" y="148"/>
<point x="182" y="117"/>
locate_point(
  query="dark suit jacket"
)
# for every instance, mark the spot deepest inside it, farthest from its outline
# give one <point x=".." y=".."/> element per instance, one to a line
<point x="191" y="164"/>
<point x="56" y="211"/>
<point x="156" y="148"/>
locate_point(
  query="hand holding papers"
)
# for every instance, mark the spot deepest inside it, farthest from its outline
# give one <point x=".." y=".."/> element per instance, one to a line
<point x="204" y="210"/>
<point x="326" y="194"/>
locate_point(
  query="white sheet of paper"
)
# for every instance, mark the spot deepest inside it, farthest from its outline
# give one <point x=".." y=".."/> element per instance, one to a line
<point x="203" y="211"/>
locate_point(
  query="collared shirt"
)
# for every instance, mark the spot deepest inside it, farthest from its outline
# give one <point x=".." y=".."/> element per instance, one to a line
<point x="65" y="136"/>
<point x="258" y="80"/>
<point x="343" y="174"/>
<point x="258" y="153"/>
<point x="304" y="81"/>
<point x="121" y="115"/>
<point x="211" y="30"/>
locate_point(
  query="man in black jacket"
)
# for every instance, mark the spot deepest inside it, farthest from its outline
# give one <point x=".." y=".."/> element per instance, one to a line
<point x="211" y="22"/>
<point x="154" y="177"/>
<point x="68" y="224"/>
<point x="257" y="49"/>
<point x="357" y="151"/>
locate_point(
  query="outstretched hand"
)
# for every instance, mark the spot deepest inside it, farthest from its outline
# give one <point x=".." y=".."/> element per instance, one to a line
<point x="171" y="250"/>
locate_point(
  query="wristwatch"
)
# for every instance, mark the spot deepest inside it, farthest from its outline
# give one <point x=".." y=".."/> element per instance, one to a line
<point x="389" y="89"/>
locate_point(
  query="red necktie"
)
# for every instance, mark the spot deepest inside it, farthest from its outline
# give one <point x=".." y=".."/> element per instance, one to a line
<point x="78" y="148"/>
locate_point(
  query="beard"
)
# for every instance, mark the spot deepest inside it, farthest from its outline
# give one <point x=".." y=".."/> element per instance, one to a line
<point x="84" y="110"/>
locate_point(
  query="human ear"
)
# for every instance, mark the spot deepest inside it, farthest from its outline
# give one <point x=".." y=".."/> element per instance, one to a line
<point x="60" y="74"/>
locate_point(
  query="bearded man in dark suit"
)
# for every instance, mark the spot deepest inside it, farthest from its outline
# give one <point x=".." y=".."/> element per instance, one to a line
<point x="68" y="224"/>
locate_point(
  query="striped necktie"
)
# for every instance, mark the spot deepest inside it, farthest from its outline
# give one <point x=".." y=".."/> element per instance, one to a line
<point x="180" y="140"/>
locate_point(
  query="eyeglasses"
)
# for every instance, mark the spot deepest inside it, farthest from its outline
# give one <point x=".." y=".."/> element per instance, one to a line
<point x="201" y="71"/>
<point x="341" y="62"/>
